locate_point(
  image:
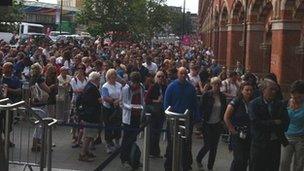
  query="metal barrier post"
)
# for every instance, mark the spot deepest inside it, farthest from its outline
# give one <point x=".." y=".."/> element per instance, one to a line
<point x="49" y="122"/>
<point x="49" y="149"/>
<point x="177" y="134"/>
<point x="146" y="166"/>
<point x="7" y="108"/>
<point x="175" y="155"/>
<point x="6" y="139"/>
<point x="43" y="139"/>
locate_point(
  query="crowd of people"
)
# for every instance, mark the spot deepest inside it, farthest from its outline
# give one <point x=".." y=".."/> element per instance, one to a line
<point x="89" y="83"/>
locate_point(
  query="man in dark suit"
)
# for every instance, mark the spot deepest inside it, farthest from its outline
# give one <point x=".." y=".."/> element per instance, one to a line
<point x="91" y="100"/>
<point x="269" y="119"/>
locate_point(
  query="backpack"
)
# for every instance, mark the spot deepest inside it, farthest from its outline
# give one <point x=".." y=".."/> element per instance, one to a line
<point x="135" y="154"/>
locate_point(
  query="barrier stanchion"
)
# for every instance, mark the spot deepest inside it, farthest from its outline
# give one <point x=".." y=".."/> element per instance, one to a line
<point x="175" y="121"/>
<point x="49" y="124"/>
<point x="6" y="139"/>
<point x="146" y="166"/>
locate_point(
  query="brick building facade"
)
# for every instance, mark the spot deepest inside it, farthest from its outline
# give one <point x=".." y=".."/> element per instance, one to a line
<point x="266" y="36"/>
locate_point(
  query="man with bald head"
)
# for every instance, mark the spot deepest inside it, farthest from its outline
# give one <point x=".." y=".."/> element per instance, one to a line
<point x="180" y="95"/>
<point x="269" y="121"/>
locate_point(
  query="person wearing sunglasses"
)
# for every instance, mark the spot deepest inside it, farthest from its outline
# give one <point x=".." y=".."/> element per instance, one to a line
<point x="154" y="100"/>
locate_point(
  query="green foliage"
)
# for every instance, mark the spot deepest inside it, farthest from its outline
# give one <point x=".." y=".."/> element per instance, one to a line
<point x="180" y="23"/>
<point x="140" y="18"/>
<point x="10" y="15"/>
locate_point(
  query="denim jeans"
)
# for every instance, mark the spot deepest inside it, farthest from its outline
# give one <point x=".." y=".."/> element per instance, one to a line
<point x="295" y="150"/>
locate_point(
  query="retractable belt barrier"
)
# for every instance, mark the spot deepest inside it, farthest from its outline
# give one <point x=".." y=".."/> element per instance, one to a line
<point x="143" y="127"/>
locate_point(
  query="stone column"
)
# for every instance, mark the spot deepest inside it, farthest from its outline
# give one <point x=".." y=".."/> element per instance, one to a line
<point x="222" y="47"/>
<point x="234" y="50"/>
<point x="255" y="61"/>
<point x="215" y="42"/>
<point x="284" y="61"/>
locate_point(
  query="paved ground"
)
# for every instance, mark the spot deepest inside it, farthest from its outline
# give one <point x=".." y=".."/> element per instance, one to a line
<point x="65" y="157"/>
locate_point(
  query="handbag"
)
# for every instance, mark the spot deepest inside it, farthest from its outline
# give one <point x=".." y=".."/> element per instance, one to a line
<point x="38" y="95"/>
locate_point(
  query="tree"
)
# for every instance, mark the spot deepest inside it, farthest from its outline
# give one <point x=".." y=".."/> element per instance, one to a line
<point x="179" y="25"/>
<point x="140" y="18"/>
<point x="10" y="15"/>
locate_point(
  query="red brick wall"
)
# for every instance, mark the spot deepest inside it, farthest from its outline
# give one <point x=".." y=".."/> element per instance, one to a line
<point x="254" y="55"/>
<point x="234" y="50"/>
<point x="222" y="50"/>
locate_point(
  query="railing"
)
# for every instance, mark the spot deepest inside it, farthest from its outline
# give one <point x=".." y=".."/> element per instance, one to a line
<point x="179" y="127"/>
<point x="146" y="145"/>
<point x="29" y="119"/>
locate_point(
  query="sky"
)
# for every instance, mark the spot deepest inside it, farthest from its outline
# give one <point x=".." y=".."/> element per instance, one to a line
<point x="191" y="5"/>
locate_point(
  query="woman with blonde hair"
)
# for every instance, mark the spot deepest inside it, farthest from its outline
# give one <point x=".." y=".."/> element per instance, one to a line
<point x="111" y="94"/>
<point x="213" y="108"/>
<point x="39" y="96"/>
<point x="154" y="100"/>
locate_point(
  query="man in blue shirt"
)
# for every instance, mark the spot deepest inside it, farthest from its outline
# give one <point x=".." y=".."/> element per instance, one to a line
<point x="13" y="83"/>
<point x="180" y="95"/>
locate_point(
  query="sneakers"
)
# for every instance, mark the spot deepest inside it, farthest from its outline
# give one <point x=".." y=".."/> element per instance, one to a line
<point x="155" y="156"/>
<point x="36" y="149"/>
<point x="85" y="158"/>
<point x="199" y="165"/>
<point x="125" y="165"/>
<point x="75" y="146"/>
<point x="109" y="149"/>
<point x="116" y="146"/>
<point x="91" y="155"/>
<point x="97" y="141"/>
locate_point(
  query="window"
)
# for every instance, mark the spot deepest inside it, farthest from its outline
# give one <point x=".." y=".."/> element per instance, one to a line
<point x="35" y="29"/>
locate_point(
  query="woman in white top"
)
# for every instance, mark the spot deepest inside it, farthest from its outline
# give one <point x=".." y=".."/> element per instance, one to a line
<point x="77" y="83"/>
<point x="194" y="78"/>
<point x="111" y="95"/>
<point x="63" y="96"/>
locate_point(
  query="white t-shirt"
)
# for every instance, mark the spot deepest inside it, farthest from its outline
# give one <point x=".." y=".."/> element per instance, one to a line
<point x="230" y="88"/>
<point x="152" y="68"/>
<point x="113" y="91"/>
<point x="194" y="80"/>
<point x="215" y="116"/>
<point x="76" y="84"/>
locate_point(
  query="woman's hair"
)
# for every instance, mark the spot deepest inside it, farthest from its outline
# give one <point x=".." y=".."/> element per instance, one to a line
<point x="66" y="55"/>
<point x="36" y="69"/>
<point x="242" y="86"/>
<point x="94" y="76"/>
<point x="157" y="73"/>
<point x="110" y="72"/>
<point x="135" y="77"/>
<point x="297" y="87"/>
<point x="272" y="77"/>
<point x="215" y="80"/>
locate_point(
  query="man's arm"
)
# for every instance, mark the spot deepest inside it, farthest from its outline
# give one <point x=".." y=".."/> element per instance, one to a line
<point x="256" y="120"/>
<point x="168" y="95"/>
<point x="284" y="117"/>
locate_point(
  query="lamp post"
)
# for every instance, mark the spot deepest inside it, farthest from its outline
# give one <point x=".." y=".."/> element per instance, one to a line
<point x="184" y="17"/>
<point x="245" y="33"/>
<point x="60" y="22"/>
